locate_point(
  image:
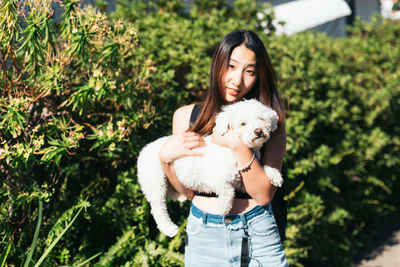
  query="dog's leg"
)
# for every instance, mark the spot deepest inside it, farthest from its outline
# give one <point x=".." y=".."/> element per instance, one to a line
<point x="226" y="194"/>
<point x="174" y="195"/>
<point x="157" y="200"/>
<point x="274" y="176"/>
<point x="154" y="184"/>
<point x="161" y="216"/>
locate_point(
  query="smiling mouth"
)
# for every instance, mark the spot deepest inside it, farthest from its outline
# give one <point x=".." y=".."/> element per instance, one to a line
<point x="232" y="91"/>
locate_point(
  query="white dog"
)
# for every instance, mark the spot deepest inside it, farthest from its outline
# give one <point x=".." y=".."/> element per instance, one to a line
<point x="215" y="171"/>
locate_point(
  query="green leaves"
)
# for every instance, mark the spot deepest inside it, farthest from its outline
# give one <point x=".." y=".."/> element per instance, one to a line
<point x="8" y="22"/>
<point x="36" y="34"/>
<point x="340" y="124"/>
<point x="75" y="93"/>
<point x="13" y="115"/>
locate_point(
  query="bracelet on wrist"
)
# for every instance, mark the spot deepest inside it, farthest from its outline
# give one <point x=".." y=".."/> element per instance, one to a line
<point x="247" y="167"/>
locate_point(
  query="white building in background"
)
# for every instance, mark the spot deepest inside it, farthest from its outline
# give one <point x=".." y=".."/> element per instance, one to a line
<point x="324" y="15"/>
<point x="329" y="16"/>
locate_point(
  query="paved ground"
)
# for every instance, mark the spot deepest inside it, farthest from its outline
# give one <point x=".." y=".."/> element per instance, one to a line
<point x="386" y="252"/>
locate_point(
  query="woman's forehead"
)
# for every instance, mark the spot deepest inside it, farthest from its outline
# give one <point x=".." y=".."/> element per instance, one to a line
<point x="243" y="55"/>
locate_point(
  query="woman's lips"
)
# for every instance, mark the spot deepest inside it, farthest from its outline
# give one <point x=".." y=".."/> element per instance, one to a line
<point x="232" y="92"/>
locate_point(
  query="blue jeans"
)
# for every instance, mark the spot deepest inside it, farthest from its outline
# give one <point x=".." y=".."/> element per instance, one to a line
<point x="216" y="240"/>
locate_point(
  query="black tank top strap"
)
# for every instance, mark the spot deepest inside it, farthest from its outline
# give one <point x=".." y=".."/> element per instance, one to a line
<point x="195" y="114"/>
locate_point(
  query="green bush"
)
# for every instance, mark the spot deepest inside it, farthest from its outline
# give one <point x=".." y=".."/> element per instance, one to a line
<point x="76" y="102"/>
<point x="80" y="98"/>
<point x="342" y="97"/>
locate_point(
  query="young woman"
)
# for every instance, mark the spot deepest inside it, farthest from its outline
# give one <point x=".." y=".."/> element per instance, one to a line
<point x="248" y="235"/>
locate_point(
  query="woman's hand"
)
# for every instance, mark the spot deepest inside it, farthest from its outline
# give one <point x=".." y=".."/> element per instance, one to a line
<point x="181" y="145"/>
<point x="229" y="139"/>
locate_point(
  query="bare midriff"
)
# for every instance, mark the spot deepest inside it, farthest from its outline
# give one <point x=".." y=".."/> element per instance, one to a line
<point x="210" y="204"/>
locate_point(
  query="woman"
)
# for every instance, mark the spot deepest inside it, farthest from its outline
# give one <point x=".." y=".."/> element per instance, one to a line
<point x="248" y="236"/>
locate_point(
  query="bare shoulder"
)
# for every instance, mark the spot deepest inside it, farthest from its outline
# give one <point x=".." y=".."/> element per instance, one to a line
<point x="180" y="121"/>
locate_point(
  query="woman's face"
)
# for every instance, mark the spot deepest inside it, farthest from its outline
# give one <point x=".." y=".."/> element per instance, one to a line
<point x="240" y="75"/>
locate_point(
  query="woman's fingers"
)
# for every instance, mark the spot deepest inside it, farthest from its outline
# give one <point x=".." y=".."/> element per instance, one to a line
<point x="193" y="140"/>
<point x="181" y="145"/>
<point x="193" y="153"/>
<point x="190" y="134"/>
<point x="194" y="144"/>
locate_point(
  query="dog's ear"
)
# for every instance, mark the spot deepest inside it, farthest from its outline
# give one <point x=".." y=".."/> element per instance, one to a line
<point x="222" y="125"/>
<point x="273" y="117"/>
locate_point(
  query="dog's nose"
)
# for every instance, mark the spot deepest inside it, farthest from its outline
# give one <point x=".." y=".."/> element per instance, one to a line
<point x="258" y="132"/>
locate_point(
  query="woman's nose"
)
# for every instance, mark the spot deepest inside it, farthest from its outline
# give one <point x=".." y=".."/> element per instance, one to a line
<point x="237" y="78"/>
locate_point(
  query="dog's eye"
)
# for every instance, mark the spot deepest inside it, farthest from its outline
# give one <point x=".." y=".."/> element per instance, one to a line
<point x="243" y="124"/>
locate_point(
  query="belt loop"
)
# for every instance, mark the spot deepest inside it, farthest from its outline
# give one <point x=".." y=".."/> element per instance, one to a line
<point x="244" y="221"/>
<point x="269" y="207"/>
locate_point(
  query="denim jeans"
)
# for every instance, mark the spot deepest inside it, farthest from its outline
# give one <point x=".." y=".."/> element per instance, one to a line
<point x="215" y="240"/>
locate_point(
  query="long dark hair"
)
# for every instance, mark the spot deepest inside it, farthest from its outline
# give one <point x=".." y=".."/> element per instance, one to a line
<point x="264" y="89"/>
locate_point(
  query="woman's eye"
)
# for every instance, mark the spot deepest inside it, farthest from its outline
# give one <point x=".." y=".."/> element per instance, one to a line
<point x="251" y="72"/>
<point x="243" y="124"/>
<point x="231" y="66"/>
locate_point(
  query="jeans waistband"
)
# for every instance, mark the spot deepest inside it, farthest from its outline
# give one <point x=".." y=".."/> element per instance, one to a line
<point x="228" y="219"/>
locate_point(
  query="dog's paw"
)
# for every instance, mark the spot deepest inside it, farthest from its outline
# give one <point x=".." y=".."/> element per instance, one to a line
<point x="274" y="176"/>
<point x="175" y="196"/>
<point x="181" y="198"/>
<point x="224" y="209"/>
<point x="170" y="231"/>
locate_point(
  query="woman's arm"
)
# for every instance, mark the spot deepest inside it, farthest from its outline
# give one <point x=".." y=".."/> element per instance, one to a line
<point x="179" y="145"/>
<point x="255" y="179"/>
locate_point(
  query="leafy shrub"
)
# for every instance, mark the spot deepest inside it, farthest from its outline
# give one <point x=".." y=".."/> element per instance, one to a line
<point x="74" y="108"/>
<point x="342" y="97"/>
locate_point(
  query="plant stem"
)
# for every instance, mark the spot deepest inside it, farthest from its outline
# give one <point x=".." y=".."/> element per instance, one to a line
<point x="47" y="251"/>
<point x="36" y="235"/>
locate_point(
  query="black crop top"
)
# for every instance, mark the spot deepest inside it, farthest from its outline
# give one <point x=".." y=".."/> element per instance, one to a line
<point x="238" y="194"/>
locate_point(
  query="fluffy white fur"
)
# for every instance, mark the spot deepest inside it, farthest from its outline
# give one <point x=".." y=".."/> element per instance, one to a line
<point x="216" y="171"/>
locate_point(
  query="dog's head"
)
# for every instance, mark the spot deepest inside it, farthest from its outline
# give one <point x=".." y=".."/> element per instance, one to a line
<point x="250" y="119"/>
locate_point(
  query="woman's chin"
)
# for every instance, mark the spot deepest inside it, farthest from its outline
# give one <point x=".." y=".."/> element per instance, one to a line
<point x="231" y="98"/>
